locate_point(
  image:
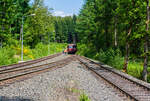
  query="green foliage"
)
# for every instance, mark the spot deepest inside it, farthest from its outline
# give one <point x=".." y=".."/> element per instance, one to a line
<point x="114" y="58"/>
<point x="39" y="28"/>
<point x="7" y="56"/>
<point x="42" y="27"/>
<point x="52" y="48"/>
<point x="135" y="69"/>
<point x="10" y="55"/>
<point x="86" y="50"/>
<point x="65" y="29"/>
<point x="38" y="51"/>
<point x="110" y="57"/>
<point x="148" y="77"/>
<point x="11" y="12"/>
<point x="99" y="26"/>
<point x="84" y="97"/>
<point x="114" y="24"/>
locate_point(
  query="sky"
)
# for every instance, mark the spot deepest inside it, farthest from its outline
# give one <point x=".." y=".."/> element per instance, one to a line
<point x="64" y="7"/>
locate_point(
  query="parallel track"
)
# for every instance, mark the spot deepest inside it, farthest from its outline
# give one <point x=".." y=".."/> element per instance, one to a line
<point x="18" y="74"/>
<point x="131" y="89"/>
<point x="27" y="63"/>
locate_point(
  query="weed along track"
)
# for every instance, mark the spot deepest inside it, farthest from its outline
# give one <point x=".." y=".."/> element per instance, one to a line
<point x="128" y="89"/>
<point x="11" y="75"/>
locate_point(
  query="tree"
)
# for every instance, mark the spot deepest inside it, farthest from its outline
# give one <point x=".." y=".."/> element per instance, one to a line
<point x="11" y="12"/>
<point x="65" y="29"/>
<point x="146" y="37"/>
<point x="38" y="27"/>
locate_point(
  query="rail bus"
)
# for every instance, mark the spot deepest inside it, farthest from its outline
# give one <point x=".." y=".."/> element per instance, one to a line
<point x="71" y="49"/>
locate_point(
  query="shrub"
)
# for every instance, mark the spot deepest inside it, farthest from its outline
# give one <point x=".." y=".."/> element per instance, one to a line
<point x="39" y="51"/>
<point x="81" y="49"/>
<point x="135" y="69"/>
<point x="10" y="55"/>
<point x="110" y="57"/>
<point x="7" y="56"/>
<point x="85" y="50"/>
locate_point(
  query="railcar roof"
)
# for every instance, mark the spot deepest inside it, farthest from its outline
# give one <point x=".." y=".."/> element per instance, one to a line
<point x="71" y="44"/>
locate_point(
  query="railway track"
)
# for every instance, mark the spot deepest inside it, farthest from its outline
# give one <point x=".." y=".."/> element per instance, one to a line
<point x="11" y="75"/>
<point x="128" y="88"/>
<point x="27" y="63"/>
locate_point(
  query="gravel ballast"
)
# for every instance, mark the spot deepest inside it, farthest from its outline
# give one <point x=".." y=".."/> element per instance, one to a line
<point x="60" y="57"/>
<point x="63" y="84"/>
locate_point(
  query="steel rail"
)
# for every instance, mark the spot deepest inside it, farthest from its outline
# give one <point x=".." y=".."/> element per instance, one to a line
<point x="21" y="68"/>
<point x="29" y="68"/>
<point x="53" y="65"/>
<point x="140" y="84"/>
<point x="27" y="63"/>
<point x="107" y="75"/>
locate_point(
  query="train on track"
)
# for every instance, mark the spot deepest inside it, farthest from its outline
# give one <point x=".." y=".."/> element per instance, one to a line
<point x="71" y="49"/>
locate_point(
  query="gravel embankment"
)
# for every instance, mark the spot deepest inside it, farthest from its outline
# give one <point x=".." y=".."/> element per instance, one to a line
<point x="63" y="84"/>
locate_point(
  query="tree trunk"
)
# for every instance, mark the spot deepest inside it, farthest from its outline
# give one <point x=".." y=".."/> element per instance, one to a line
<point x="127" y="50"/>
<point x="74" y="39"/>
<point x="126" y="57"/>
<point x="116" y="33"/>
<point x="1" y="44"/>
<point x="20" y="33"/>
<point x="145" y="66"/>
<point x="10" y="29"/>
<point x="107" y="36"/>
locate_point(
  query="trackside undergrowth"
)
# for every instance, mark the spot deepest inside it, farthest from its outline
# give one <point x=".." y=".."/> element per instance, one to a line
<point x="114" y="58"/>
<point x="12" y="54"/>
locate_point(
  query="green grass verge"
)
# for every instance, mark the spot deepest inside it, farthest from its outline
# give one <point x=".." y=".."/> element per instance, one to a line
<point x="11" y="54"/>
<point x="135" y="69"/>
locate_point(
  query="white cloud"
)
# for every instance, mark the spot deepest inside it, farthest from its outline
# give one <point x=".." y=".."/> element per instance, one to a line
<point x="61" y="13"/>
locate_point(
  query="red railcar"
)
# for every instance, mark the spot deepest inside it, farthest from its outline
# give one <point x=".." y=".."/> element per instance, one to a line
<point x="71" y="49"/>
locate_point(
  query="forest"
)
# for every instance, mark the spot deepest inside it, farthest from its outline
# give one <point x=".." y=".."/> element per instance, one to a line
<point x="115" y="32"/>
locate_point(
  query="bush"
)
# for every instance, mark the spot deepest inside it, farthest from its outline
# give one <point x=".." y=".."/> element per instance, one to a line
<point x="7" y="56"/>
<point x="39" y="51"/>
<point x="135" y="69"/>
<point x="85" y="50"/>
<point x="111" y="57"/>
<point x="115" y="59"/>
<point x="42" y="50"/>
<point x="82" y="48"/>
<point x="10" y="55"/>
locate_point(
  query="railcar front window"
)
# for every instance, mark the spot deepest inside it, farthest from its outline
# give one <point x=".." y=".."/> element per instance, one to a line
<point x="70" y="47"/>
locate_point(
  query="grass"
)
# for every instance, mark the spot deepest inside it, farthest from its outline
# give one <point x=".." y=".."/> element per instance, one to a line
<point x="135" y="69"/>
<point x="11" y="54"/>
<point x="45" y="50"/>
<point x="84" y="97"/>
<point x="73" y="90"/>
<point x="7" y="56"/>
